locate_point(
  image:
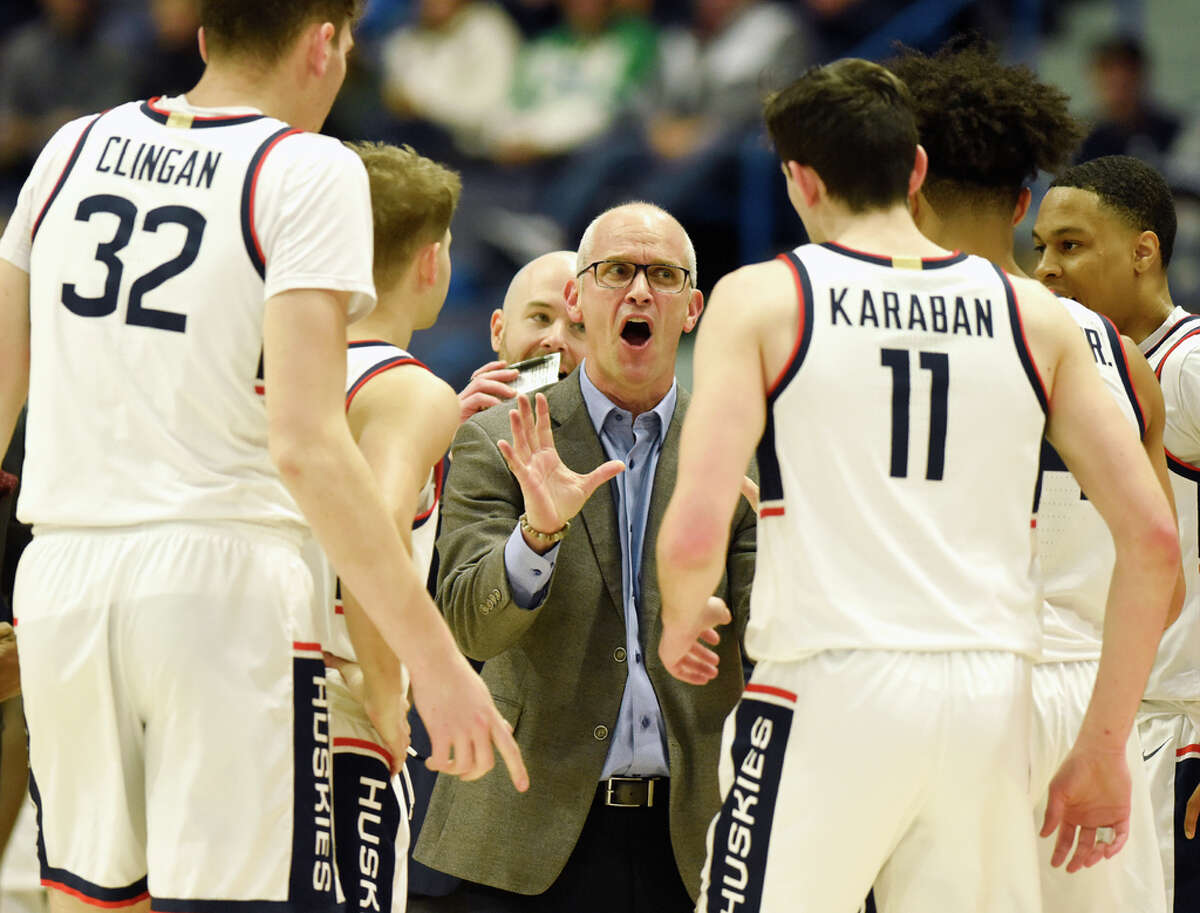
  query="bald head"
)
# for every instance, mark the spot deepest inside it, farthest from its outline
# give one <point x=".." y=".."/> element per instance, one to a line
<point x="533" y="319"/>
<point x="635" y="220"/>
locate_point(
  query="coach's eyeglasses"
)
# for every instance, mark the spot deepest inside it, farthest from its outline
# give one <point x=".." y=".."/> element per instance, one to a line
<point x="619" y="274"/>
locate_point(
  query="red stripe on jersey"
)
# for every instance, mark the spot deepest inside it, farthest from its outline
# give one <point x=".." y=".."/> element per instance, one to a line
<point x="439" y="475"/>
<point x="339" y="609"/>
<point x="302" y="647"/>
<point x="254" y="186"/>
<point x="951" y="256"/>
<point x="166" y="112"/>
<point x="1025" y="339"/>
<point x="362" y="381"/>
<point x="363" y="743"/>
<point x="775" y="692"/>
<point x="1187" y="749"/>
<point x="1184" y="463"/>
<point x="1033" y="523"/>
<point x="771" y="512"/>
<point x="92" y="901"/>
<point x="799" y="328"/>
<point x="260" y="389"/>
<point x="1137" y="401"/>
<point x="1161" y="364"/>
<point x="37" y="223"/>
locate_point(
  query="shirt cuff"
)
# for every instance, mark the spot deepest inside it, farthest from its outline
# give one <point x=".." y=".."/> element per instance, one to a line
<point x="528" y="572"/>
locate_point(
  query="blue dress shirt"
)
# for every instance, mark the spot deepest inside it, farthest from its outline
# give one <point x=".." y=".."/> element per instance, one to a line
<point x="638" y="746"/>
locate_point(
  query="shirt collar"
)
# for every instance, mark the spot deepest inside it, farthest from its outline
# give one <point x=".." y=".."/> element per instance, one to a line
<point x="1176" y="315"/>
<point x="600" y="406"/>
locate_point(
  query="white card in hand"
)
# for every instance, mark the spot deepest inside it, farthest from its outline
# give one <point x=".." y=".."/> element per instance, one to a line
<point x="536" y="373"/>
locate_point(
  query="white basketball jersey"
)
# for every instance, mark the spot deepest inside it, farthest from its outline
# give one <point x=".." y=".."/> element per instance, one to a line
<point x="898" y="463"/>
<point x="1172" y="353"/>
<point x="153" y="234"/>
<point x="364" y="361"/>
<point x="1075" y="548"/>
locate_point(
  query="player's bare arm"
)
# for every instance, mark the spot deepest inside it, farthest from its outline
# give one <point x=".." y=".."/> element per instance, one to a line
<point x="310" y="441"/>
<point x="744" y="343"/>
<point x="403" y="422"/>
<point x="14" y="347"/>
<point x="1091" y="789"/>
<point x="1150" y="397"/>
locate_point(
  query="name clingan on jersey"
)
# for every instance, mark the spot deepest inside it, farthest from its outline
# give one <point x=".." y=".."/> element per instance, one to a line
<point x="158" y="164"/>
<point x="933" y="313"/>
<point x="369" y="820"/>
<point x="322" y="767"/>
<point x="745" y="793"/>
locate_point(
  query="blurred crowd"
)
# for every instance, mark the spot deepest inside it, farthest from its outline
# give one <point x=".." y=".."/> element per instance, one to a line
<point x="550" y="109"/>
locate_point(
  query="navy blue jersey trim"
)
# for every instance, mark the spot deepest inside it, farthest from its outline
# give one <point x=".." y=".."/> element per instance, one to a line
<point x="1022" y="345"/>
<point x="198" y="123"/>
<point x="379" y="367"/>
<point x="926" y="262"/>
<point x="367" y="343"/>
<point x="1180" y="468"/>
<point x="62" y="178"/>
<point x="804" y="295"/>
<point x="72" y="884"/>
<point x="1114" y="339"/>
<point x="248" y="235"/>
<point x="1171" y="332"/>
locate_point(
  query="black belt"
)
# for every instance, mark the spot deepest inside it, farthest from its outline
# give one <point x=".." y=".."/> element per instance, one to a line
<point x="632" y="792"/>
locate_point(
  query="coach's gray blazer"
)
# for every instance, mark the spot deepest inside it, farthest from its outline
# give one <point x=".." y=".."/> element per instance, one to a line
<point x="557" y="673"/>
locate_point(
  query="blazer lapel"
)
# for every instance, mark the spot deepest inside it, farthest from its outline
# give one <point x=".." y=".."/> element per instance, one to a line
<point x="580" y="449"/>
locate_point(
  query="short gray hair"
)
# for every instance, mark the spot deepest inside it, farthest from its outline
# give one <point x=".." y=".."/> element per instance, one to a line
<point x="583" y="258"/>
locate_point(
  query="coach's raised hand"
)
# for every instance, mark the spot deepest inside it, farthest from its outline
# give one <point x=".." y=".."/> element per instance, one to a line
<point x="553" y="493"/>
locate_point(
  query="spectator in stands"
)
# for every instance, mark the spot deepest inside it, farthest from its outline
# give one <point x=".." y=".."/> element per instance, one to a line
<point x="53" y="69"/>
<point x="572" y="81"/>
<point x="1129" y="123"/>
<point x="452" y="68"/>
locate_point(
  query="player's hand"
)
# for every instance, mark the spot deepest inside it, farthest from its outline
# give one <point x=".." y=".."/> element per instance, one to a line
<point x="10" y="670"/>
<point x="386" y="706"/>
<point x="1090" y="792"/>
<point x="1192" y="813"/>
<point x="553" y="493"/>
<point x="489" y="386"/>
<point x="681" y="649"/>
<point x="464" y="724"/>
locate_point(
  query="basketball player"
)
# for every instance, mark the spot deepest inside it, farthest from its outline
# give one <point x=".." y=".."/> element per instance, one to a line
<point x="1105" y="231"/>
<point x="532" y="321"/>
<point x="403" y="418"/>
<point x="989" y="128"/>
<point x="898" y="394"/>
<point x="168" y="263"/>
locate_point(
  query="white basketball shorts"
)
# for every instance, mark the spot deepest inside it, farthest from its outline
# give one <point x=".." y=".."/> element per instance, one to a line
<point x="370" y="821"/>
<point x="1170" y="734"/>
<point x="178" y="718"/>
<point x="1130" y="882"/>
<point x="906" y="771"/>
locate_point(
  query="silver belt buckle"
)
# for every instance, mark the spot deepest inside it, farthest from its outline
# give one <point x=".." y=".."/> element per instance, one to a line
<point x="608" y="795"/>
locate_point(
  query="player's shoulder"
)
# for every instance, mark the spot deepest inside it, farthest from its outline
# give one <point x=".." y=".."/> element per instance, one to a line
<point x="313" y="152"/>
<point x="770" y="285"/>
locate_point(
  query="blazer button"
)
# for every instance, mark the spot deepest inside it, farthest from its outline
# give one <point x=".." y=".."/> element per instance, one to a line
<point x="619" y="654"/>
<point x="600" y="733"/>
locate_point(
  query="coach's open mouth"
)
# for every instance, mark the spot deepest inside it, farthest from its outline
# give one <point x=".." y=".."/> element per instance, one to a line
<point x="636" y="332"/>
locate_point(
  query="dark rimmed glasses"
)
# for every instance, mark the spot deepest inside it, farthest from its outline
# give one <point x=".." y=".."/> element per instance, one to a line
<point x="619" y="274"/>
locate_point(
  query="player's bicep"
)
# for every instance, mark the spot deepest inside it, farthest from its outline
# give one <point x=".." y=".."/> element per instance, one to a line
<point x="729" y="402"/>
<point x="304" y="362"/>
<point x="14" y="346"/>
